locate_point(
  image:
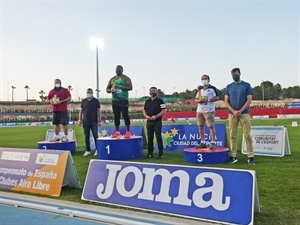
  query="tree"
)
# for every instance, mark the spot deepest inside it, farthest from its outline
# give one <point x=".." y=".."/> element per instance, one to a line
<point x="42" y="97"/>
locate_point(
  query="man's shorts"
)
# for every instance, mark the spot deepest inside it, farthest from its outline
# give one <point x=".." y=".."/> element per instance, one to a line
<point x="208" y="117"/>
<point x="60" y="118"/>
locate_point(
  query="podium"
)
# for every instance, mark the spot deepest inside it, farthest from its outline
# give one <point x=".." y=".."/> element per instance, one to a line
<point x="120" y="149"/>
<point x="57" y="145"/>
<point x="206" y="156"/>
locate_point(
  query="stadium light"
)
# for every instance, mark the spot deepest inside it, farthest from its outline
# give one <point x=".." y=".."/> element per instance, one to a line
<point x="97" y="43"/>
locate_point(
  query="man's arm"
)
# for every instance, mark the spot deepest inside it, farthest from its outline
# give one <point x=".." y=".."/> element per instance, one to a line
<point x="67" y="99"/>
<point x="80" y="116"/>
<point x="247" y="103"/>
<point x="226" y="101"/>
<point x="108" y="87"/>
<point x="99" y="116"/>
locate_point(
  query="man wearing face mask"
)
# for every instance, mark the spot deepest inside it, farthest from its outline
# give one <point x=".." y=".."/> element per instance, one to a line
<point x="206" y="96"/>
<point x="118" y="86"/>
<point x="59" y="98"/>
<point x="154" y="109"/>
<point x="238" y="97"/>
<point x="90" y="117"/>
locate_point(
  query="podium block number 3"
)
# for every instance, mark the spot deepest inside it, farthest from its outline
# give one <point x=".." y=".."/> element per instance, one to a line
<point x="200" y="159"/>
<point x="108" y="149"/>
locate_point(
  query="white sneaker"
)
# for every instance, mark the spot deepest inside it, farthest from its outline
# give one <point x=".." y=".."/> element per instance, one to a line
<point x="64" y="139"/>
<point x="55" y="138"/>
<point x="87" y="153"/>
<point x="95" y="154"/>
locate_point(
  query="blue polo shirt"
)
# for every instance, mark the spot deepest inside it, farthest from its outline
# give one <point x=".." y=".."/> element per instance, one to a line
<point x="238" y="93"/>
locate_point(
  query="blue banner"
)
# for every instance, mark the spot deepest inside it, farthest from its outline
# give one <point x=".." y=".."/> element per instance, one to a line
<point x="179" y="137"/>
<point x="294" y="105"/>
<point x="213" y="194"/>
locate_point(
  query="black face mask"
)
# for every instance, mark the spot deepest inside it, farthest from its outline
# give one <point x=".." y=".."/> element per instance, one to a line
<point x="57" y="88"/>
<point x="153" y="94"/>
<point x="119" y="72"/>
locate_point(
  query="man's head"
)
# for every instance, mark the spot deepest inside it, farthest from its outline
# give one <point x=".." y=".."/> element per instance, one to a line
<point x="205" y="79"/>
<point x="236" y="73"/>
<point x="89" y="93"/>
<point x="57" y="83"/>
<point x="119" y="70"/>
<point x="153" y="92"/>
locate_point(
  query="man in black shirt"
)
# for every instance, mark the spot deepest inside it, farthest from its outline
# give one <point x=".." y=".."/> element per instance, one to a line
<point x="90" y="117"/>
<point x="154" y="109"/>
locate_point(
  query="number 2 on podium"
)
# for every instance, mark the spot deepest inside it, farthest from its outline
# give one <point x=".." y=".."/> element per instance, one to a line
<point x="108" y="149"/>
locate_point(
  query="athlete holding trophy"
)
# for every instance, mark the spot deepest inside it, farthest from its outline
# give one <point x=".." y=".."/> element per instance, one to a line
<point x="118" y="86"/>
<point x="206" y="96"/>
<point x="59" y="97"/>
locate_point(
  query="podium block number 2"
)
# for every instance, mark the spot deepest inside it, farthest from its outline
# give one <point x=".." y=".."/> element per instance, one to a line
<point x="108" y="149"/>
<point x="45" y="147"/>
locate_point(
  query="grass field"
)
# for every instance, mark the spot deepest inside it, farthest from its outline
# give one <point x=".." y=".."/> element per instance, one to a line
<point x="278" y="177"/>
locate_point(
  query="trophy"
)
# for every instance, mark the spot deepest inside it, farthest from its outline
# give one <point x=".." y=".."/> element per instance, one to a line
<point x="55" y="99"/>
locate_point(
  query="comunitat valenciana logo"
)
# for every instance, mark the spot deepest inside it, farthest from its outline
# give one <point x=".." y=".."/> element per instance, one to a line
<point x="142" y="180"/>
<point x="47" y="159"/>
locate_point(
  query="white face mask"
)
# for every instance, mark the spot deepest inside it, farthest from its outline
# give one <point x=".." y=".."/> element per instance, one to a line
<point x="205" y="82"/>
<point x="57" y="85"/>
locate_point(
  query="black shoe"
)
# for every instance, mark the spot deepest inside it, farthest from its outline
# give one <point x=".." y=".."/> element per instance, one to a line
<point x="150" y="155"/>
<point x="251" y="161"/>
<point x="232" y="160"/>
<point x="161" y="156"/>
<point x="202" y="145"/>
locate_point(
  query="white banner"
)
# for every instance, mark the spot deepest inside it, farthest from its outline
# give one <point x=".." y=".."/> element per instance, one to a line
<point x="268" y="140"/>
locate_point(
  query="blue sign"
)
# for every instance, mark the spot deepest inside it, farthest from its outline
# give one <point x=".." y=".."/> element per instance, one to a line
<point x="213" y="194"/>
<point x="179" y="137"/>
<point x="294" y="105"/>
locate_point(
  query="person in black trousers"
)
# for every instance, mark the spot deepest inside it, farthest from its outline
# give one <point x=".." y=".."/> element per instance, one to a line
<point x="154" y="109"/>
<point x="90" y="118"/>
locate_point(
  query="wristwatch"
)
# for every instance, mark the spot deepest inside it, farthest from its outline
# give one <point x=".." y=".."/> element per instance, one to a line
<point x="208" y="100"/>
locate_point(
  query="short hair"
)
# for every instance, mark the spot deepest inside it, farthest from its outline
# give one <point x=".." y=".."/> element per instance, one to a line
<point x="206" y="76"/>
<point x="89" y="89"/>
<point x="119" y="66"/>
<point x="57" y="80"/>
<point x="152" y="88"/>
<point x="236" y="70"/>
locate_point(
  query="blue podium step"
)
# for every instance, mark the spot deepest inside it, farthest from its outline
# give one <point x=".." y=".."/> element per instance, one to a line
<point x="69" y="145"/>
<point x="206" y="156"/>
<point x="120" y="149"/>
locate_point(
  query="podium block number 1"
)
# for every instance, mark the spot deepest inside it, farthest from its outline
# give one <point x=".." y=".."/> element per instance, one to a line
<point x="108" y="149"/>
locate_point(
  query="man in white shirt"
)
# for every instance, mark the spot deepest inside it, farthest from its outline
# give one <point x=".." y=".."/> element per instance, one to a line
<point x="206" y="96"/>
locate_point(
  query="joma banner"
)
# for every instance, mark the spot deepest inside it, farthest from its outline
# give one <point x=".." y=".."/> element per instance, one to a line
<point x="212" y="194"/>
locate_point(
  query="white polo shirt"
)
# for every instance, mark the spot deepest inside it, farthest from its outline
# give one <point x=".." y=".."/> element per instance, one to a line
<point x="208" y="92"/>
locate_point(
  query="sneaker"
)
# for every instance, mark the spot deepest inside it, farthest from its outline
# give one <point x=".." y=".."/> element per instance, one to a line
<point x="232" y="160"/>
<point x="64" y="139"/>
<point x="251" y="161"/>
<point x="127" y="134"/>
<point x="161" y="156"/>
<point x="212" y="146"/>
<point x="95" y="154"/>
<point x="55" y="138"/>
<point x="87" y="153"/>
<point x="117" y="134"/>
<point x="150" y="156"/>
<point x="202" y="145"/>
